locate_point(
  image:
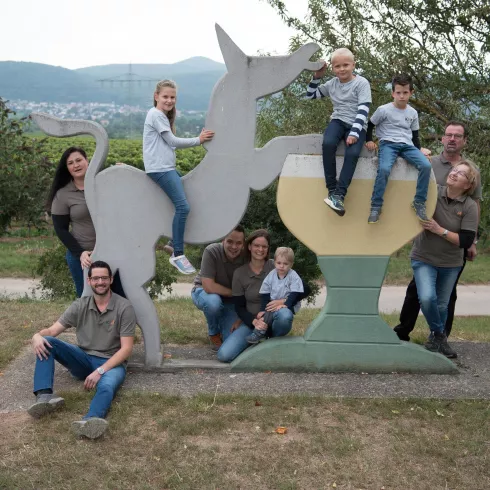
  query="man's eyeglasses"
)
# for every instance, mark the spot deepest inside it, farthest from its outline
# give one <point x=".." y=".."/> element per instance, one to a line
<point x="100" y="278"/>
<point x="455" y="136"/>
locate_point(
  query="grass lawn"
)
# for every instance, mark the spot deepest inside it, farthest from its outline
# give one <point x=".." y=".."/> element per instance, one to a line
<point x="161" y="442"/>
<point x="181" y="323"/>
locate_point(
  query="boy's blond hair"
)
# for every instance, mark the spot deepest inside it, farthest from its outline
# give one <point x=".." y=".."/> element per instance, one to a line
<point x="285" y="252"/>
<point x="342" y="52"/>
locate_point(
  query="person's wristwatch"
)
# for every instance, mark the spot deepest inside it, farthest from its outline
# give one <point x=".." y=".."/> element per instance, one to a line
<point x="101" y="370"/>
<point x="444" y="233"/>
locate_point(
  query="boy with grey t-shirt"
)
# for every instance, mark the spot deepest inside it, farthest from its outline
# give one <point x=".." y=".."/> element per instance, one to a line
<point x="351" y="97"/>
<point x="397" y="128"/>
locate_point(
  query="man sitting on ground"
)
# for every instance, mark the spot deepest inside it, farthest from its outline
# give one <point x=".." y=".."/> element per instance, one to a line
<point x="105" y="325"/>
<point x="212" y="286"/>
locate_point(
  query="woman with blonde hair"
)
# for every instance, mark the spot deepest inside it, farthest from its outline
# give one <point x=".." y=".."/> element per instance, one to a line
<point x="159" y="143"/>
<point x="437" y="253"/>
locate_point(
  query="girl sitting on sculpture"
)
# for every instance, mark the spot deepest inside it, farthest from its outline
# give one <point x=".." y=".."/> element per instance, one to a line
<point x="159" y="143"/>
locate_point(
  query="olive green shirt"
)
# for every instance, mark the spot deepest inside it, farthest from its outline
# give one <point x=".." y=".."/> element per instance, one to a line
<point x="71" y="201"/>
<point x="247" y="283"/>
<point x="454" y="215"/>
<point x="99" y="333"/>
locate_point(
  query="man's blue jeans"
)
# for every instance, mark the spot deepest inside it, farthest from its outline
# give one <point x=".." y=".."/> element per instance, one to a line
<point x="220" y="315"/>
<point x="336" y="132"/>
<point x="236" y="343"/>
<point x="171" y="184"/>
<point x="387" y="155"/>
<point x="434" y="287"/>
<point x="80" y="364"/>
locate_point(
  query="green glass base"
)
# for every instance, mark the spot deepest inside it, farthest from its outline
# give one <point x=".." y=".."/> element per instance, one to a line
<point x="348" y="335"/>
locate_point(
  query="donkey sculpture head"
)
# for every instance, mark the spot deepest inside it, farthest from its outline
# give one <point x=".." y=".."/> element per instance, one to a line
<point x="130" y="212"/>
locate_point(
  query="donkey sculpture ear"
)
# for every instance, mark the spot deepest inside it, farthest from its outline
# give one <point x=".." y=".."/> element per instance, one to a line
<point x="235" y="58"/>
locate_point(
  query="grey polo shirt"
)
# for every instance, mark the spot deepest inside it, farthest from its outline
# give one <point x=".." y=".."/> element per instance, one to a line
<point x="216" y="265"/>
<point x="99" y="333"/>
<point x="454" y="215"/>
<point x="247" y="283"/>
<point x="442" y="168"/>
<point x="71" y="201"/>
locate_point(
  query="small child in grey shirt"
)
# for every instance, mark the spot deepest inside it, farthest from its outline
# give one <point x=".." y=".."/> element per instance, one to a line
<point x="282" y="283"/>
<point x="397" y="128"/>
<point x="351" y="97"/>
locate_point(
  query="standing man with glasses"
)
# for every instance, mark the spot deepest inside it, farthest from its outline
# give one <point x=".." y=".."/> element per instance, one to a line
<point x="454" y="140"/>
<point x="105" y="325"/>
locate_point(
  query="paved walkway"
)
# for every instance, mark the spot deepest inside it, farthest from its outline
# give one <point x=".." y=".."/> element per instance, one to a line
<point x="472" y="300"/>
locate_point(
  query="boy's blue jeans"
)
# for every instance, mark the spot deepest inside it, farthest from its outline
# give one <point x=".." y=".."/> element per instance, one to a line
<point x="434" y="288"/>
<point x="337" y="131"/>
<point x="80" y="364"/>
<point x="236" y="343"/>
<point x="220" y="315"/>
<point x="387" y="155"/>
<point x="171" y="183"/>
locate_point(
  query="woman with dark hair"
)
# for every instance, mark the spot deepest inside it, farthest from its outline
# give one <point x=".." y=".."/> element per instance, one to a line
<point x="247" y="280"/>
<point x="437" y="253"/>
<point x="67" y="206"/>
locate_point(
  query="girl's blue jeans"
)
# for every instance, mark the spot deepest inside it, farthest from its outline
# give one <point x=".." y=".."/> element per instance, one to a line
<point x="171" y="184"/>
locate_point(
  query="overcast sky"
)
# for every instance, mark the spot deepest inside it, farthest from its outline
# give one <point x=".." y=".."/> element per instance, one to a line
<point x="81" y="33"/>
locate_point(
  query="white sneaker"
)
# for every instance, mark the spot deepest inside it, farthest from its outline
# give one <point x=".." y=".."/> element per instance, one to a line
<point x="182" y="264"/>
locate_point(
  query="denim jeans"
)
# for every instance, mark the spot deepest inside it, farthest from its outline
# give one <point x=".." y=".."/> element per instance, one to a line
<point x="434" y="287"/>
<point x="220" y="316"/>
<point x="80" y="364"/>
<point x="336" y="131"/>
<point x="387" y="154"/>
<point x="76" y="272"/>
<point x="236" y="343"/>
<point x="171" y="184"/>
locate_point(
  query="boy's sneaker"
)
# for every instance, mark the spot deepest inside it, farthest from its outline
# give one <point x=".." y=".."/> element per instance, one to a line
<point x="256" y="336"/>
<point x="182" y="264"/>
<point x="216" y="341"/>
<point x="419" y="208"/>
<point x="374" y="216"/>
<point x="437" y="342"/>
<point x="169" y="247"/>
<point x="92" y="428"/>
<point x="45" y="403"/>
<point x="336" y="203"/>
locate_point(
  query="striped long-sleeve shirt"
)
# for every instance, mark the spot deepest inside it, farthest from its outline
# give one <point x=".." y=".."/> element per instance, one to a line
<point x="351" y="100"/>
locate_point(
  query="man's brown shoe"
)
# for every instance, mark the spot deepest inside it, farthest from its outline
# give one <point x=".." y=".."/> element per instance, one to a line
<point x="216" y="341"/>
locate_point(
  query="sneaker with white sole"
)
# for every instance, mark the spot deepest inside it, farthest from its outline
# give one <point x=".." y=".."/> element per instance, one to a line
<point x="45" y="403"/>
<point x="336" y="203"/>
<point x="182" y="264"/>
<point x="92" y="427"/>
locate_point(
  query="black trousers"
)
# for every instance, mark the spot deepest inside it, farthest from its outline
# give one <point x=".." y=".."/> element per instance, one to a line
<point x="411" y="308"/>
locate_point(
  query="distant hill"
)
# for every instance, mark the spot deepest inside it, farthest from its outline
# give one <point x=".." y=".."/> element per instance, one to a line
<point x="37" y="82"/>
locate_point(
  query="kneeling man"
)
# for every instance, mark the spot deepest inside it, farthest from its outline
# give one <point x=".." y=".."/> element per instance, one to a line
<point x="105" y="324"/>
<point x="212" y="286"/>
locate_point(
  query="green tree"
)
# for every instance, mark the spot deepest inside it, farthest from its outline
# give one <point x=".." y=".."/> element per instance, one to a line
<point x="443" y="44"/>
<point x="24" y="173"/>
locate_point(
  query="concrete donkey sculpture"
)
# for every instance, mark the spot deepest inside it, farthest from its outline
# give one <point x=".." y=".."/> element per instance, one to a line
<point x="130" y="212"/>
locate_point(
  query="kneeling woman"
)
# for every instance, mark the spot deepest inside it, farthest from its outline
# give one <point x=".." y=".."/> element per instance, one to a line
<point x="247" y="280"/>
<point x="437" y="253"/>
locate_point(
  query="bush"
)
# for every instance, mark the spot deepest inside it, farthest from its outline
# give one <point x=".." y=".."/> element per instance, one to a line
<point x="56" y="281"/>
